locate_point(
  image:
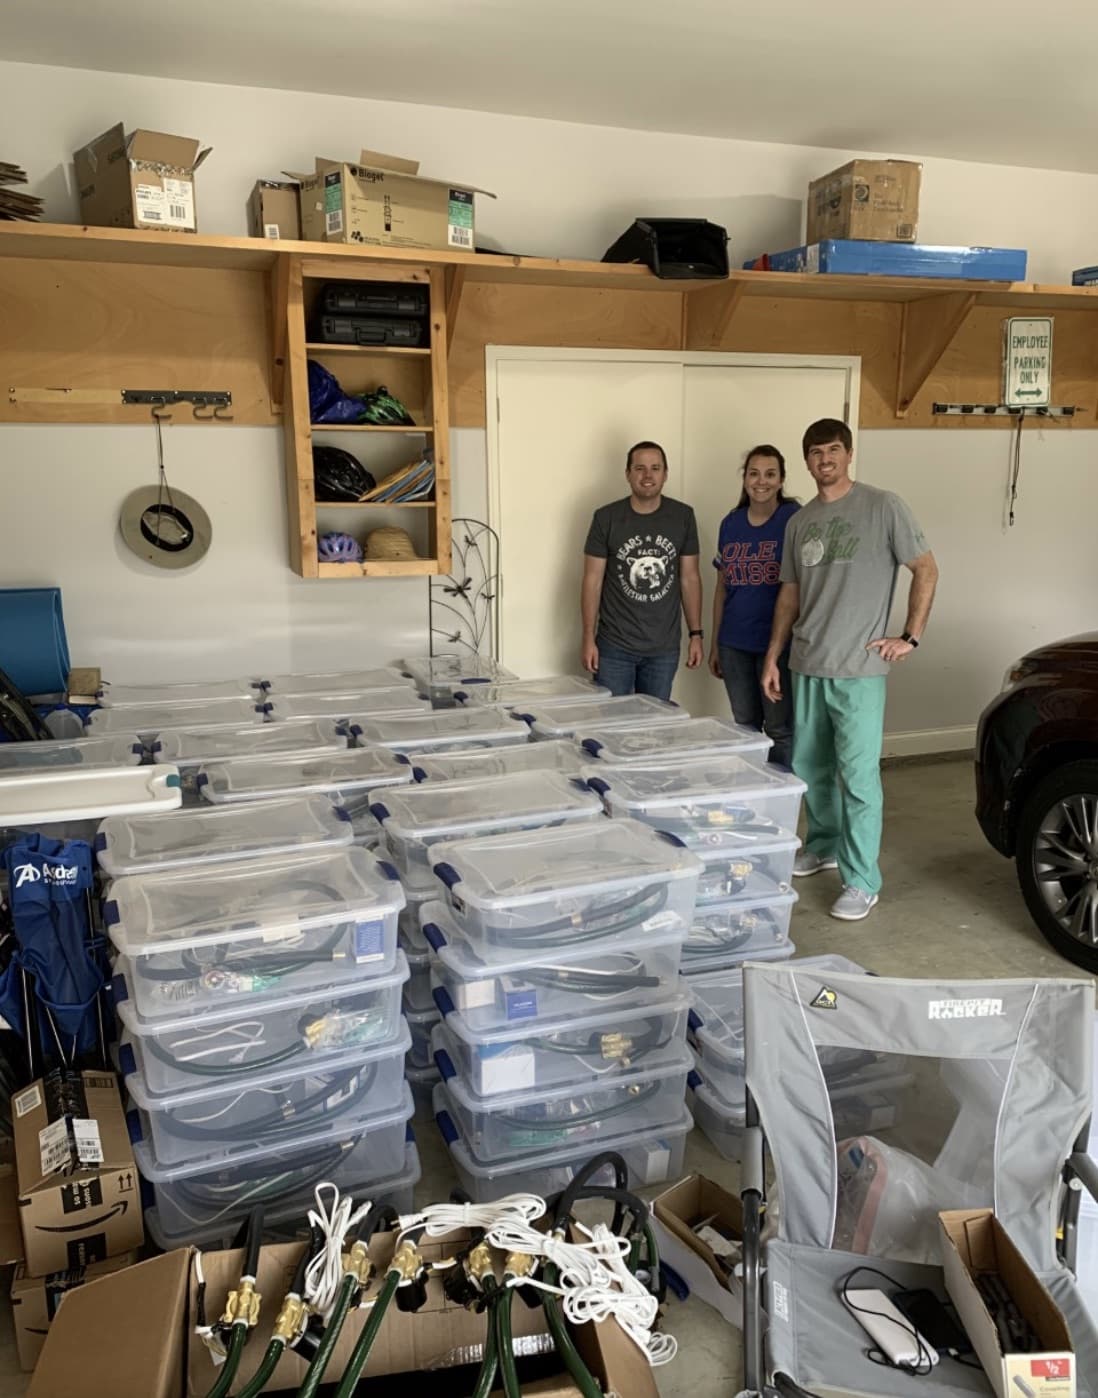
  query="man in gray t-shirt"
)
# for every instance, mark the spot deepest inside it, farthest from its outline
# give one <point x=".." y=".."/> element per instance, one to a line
<point x="640" y="569"/>
<point x="842" y="552"/>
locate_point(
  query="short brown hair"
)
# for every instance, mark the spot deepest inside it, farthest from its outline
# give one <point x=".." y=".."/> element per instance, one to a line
<point x="827" y="429"/>
<point x="645" y="446"/>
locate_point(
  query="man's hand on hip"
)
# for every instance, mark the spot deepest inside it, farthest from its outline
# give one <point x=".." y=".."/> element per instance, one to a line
<point x="891" y="648"/>
<point x="772" y="680"/>
<point x="695" y="653"/>
<point x="589" y="656"/>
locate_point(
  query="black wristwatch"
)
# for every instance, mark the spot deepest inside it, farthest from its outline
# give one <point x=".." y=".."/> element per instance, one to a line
<point x="910" y="639"/>
<point x="698" y="633"/>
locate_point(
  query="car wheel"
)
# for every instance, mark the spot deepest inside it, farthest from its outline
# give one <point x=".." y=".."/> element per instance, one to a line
<point x="1057" y="860"/>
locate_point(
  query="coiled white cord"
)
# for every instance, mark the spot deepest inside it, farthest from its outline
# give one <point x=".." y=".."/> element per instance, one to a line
<point x="436" y="1220"/>
<point x="324" y="1273"/>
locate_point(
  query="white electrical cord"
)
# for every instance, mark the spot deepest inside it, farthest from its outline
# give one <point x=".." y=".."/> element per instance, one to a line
<point x="436" y="1220"/>
<point x="324" y="1274"/>
<point x="595" y="1281"/>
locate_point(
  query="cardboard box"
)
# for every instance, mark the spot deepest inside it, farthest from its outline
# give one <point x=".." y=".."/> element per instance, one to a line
<point x="79" y="1198"/>
<point x="36" y="1300"/>
<point x="383" y="202"/>
<point x="163" y="1358"/>
<point x="678" y="1211"/>
<point x="143" y="180"/>
<point x="874" y="199"/>
<point x="974" y="1241"/>
<point x="273" y="210"/>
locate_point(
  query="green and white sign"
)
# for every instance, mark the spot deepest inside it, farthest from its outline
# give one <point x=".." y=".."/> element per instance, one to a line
<point x="1027" y="362"/>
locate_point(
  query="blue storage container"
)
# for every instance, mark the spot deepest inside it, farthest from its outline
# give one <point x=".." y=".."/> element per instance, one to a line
<point x="860" y="257"/>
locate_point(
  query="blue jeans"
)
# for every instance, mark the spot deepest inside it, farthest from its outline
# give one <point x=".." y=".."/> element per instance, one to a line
<point x="742" y="671"/>
<point x="622" y="672"/>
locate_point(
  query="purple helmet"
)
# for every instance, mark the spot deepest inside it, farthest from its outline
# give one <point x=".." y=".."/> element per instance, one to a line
<point x="339" y="548"/>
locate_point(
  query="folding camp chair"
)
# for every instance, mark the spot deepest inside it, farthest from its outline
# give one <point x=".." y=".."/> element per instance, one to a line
<point x="995" y="1114"/>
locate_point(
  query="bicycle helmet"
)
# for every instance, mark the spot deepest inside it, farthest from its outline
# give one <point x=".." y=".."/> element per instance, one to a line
<point x="383" y="409"/>
<point x="337" y="475"/>
<point x="338" y="548"/>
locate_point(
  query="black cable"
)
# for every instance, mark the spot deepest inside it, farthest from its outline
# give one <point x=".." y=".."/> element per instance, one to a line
<point x="1016" y="463"/>
<point x="652" y="1037"/>
<point x="356" y="1082"/>
<point x="562" y="1209"/>
<point x="272" y="1182"/>
<point x="583" y="980"/>
<point x="599" y="919"/>
<point x="594" y="1112"/>
<point x="877" y="1356"/>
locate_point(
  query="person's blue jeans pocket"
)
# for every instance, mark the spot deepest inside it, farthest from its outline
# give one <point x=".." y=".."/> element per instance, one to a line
<point x="623" y="672"/>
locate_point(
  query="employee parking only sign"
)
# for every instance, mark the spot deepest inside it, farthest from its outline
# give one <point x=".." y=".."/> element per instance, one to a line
<point x="1027" y="362"/>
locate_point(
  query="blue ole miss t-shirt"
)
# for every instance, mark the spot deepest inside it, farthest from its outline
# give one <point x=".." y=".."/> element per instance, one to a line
<point x="749" y="557"/>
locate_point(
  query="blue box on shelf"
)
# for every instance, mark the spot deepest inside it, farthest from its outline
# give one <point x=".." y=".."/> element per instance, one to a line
<point x="860" y="257"/>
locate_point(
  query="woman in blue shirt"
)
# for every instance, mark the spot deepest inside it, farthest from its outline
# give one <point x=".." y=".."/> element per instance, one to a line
<point x="748" y="562"/>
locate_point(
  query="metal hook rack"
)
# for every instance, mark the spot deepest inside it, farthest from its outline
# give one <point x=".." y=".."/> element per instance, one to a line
<point x="218" y="401"/>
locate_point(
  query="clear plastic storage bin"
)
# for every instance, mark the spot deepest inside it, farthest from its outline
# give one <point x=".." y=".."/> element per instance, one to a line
<point x="423" y="1082"/>
<point x="204" y="1194"/>
<point x="74" y="752"/>
<point x="537" y="987"/>
<point x="285" y="708"/>
<point x="410" y="922"/>
<point x="136" y="696"/>
<point x="189" y="749"/>
<point x="516" y="694"/>
<point x="694" y="737"/>
<point x="341" y="774"/>
<point x="230" y="1045"/>
<point x="497" y="762"/>
<point x="561" y="719"/>
<point x="273" y="1108"/>
<point x="438" y="676"/>
<point x="335" y="682"/>
<point x="418" y="818"/>
<point x="650" y="1157"/>
<point x="589" y="1050"/>
<point x="435" y="732"/>
<point x="251" y="929"/>
<point x="148" y="844"/>
<point x="725" y="934"/>
<point x="533" y="1120"/>
<point x="606" y="881"/>
<point x="417" y="993"/>
<point x="705" y="801"/>
<point x="421" y="1025"/>
<point x="721" y="1122"/>
<point x="751" y="866"/>
<point x="147" y="720"/>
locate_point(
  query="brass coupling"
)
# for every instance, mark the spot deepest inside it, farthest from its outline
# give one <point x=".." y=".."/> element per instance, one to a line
<point x="519" y="1264"/>
<point x="242" y="1305"/>
<point x="292" y="1319"/>
<point x="407" y="1261"/>
<point x="479" y="1263"/>
<point x="616" y="1045"/>
<point x="357" y="1264"/>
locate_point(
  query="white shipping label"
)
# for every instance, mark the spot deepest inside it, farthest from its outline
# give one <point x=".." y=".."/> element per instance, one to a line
<point x="170" y="206"/>
<point x="270" y="230"/>
<point x="89" y="1148"/>
<point x="53" y="1146"/>
<point x="27" y="1100"/>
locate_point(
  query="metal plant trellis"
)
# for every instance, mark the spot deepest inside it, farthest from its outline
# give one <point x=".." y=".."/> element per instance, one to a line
<point x="463" y="606"/>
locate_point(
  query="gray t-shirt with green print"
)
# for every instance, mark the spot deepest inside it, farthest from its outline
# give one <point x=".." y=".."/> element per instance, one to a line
<point x="844" y="555"/>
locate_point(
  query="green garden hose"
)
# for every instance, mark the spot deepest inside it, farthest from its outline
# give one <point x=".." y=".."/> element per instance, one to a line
<point x="364" y="1344"/>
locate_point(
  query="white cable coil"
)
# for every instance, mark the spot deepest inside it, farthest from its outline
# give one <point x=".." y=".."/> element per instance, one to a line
<point x="324" y="1274"/>
<point x="595" y="1281"/>
<point x="436" y="1220"/>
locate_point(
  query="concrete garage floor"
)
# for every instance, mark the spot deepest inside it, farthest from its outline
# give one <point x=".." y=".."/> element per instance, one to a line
<point x="950" y="906"/>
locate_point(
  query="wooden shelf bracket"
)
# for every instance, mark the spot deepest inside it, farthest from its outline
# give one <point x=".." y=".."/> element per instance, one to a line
<point x="455" y="285"/>
<point x="926" y="332"/>
<point x="708" y="314"/>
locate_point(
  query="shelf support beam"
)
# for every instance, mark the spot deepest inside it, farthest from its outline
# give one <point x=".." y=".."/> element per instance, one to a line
<point x="280" y="293"/>
<point x="708" y="314"/>
<point x="455" y="285"/>
<point x="927" y="330"/>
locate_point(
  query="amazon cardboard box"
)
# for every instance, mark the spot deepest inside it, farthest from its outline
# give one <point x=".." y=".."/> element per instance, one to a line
<point x="873" y="199"/>
<point x="384" y="202"/>
<point x="273" y="210"/>
<point x="697" y="1224"/>
<point x="974" y="1243"/>
<point x="143" y="180"/>
<point x="163" y="1358"/>
<point x="78" y="1193"/>
<point x="36" y="1300"/>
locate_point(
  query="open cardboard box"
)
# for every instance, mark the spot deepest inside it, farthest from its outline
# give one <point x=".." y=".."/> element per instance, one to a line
<point x="677" y="1212"/>
<point x="143" y="180"/>
<point x="133" y="1333"/>
<point x="973" y="1241"/>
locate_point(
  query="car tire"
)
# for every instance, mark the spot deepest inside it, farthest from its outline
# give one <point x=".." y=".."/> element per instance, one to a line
<point x="1058" y="815"/>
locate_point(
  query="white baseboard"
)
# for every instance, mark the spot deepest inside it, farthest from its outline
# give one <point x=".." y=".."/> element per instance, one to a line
<point x="926" y="741"/>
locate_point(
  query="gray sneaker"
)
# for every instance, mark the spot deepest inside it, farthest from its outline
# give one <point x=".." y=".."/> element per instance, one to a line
<point x="806" y="864"/>
<point x="853" y="904"/>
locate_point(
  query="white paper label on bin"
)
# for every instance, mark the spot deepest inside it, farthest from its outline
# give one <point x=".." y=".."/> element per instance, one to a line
<point x="369" y="940"/>
<point x="53" y="1146"/>
<point x="27" y="1100"/>
<point x="89" y="1148"/>
<point x="657" y="1164"/>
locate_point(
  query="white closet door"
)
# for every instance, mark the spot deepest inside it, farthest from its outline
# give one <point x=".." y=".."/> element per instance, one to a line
<point x="728" y="409"/>
<point x="564" y="429"/>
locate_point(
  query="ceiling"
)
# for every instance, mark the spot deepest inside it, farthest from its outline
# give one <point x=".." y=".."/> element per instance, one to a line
<point x="1006" y="82"/>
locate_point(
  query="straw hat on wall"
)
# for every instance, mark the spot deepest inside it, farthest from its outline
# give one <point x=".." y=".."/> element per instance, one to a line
<point x="389" y="545"/>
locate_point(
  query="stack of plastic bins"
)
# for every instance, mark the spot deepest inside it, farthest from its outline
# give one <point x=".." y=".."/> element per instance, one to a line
<point x="333" y="682"/>
<point x="149" y="720"/>
<point x="739" y="816"/>
<point x="560" y="756"/>
<point x="438" y="677"/>
<point x="694" y="737"/>
<point x="437" y="733"/>
<point x="560" y="718"/>
<point x="520" y="694"/>
<point x="190" y="749"/>
<point x="864" y="1087"/>
<point x="347" y="776"/>
<point x="342" y="707"/>
<point x="550" y="914"/>
<point x="419" y="1007"/>
<point x="131" y="696"/>
<point x="263" y="1044"/>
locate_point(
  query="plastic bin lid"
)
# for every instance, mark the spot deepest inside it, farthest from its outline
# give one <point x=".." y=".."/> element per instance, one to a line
<point x="681" y="1061"/>
<point x="564" y="717"/>
<point x="75" y="752"/>
<point x="745" y="841"/>
<point x="718" y="777"/>
<point x="448" y="727"/>
<point x="444" y="808"/>
<point x="272" y="899"/>
<point x="294" y="774"/>
<point x="733" y="1115"/>
<point x="334" y="682"/>
<point x="509" y="693"/>
<point x="607" y="1020"/>
<point x="503" y="871"/>
<point x="317" y="997"/>
<point x="701" y="963"/>
<point x="191" y="747"/>
<point x="455" y="668"/>
<point x="344" y="706"/>
<point x="653" y="742"/>
<point x="116" y="696"/>
<point x="151" y="718"/>
<point x="557" y="755"/>
<point x="422" y="1020"/>
<point x="395" y="1047"/>
<point x="37" y="796"/>
<point x="279" y="1153"/>
<point x="145" y="844"/>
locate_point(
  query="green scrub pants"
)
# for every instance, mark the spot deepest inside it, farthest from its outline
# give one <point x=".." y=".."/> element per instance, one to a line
<point x="837" y="730"/>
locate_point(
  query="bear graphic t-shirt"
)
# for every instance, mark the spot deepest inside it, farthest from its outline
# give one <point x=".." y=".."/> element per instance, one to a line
<point x="640" y="608"/>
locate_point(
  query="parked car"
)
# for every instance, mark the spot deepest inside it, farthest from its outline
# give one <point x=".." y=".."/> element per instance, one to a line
<point x="1037" y="789"/>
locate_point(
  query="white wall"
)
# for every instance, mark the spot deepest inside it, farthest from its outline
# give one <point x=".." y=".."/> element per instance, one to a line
<point x="565" y="190"/>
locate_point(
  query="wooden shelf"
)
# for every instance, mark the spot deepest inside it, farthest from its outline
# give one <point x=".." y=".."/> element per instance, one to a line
<point x="411" y="568"/>
<point x="375" y="505"/>
<point x="369" y="427"/>
<point x="367" y="349"/>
